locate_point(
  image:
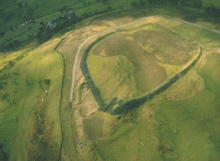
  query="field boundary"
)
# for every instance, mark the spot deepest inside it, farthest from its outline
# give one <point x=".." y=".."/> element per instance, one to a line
<point x="12" y="62"/>
<point x="61" y="96"/>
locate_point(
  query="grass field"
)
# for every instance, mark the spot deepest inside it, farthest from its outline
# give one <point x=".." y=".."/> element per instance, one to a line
<point x="38" y="121"/>
<point x="168" y="129"/>
<point x="29" y="99"/>
<point x="181" y="123"/>
<point x="6" y="58"/>
<point x="139" y="59"/>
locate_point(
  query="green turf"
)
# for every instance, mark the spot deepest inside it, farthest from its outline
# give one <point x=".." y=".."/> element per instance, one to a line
<point x="172" y="126"/>
<point x="165" y="130"/>
<point x="22" y="88"/>
<point x="162" y="129"/>
<point x="137" y="60"/>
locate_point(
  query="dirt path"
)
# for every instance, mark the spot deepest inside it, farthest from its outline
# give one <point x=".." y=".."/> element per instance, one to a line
<point x="75" y="66"/>
<point x="193" y="24"/>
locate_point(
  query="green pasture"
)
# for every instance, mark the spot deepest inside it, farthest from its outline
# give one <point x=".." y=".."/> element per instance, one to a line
<point x="190" y="126"/>
<point x="181" y="123"/>
<point x="131" y="63"/>
<point x="175" y="130"/>
<point x="6" y="58"/>
<point x="122" y="84"/>
<point x="206" y="38"/>
<point x="22" y="89"/>
<point x="211" y="2"/>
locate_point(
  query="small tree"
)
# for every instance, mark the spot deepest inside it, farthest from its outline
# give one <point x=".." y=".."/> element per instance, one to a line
<point x="20" y="5"/>
<point x="134" y="4"/>
<point x="2" y="33"/>
<point x="105" y="1"/>
<point x="47" y="81"/>
<point x="11" y="28"/>
<point x="142" y="3"/>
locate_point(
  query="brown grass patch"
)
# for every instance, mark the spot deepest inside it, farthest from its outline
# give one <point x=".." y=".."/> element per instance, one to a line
<point x="98" y="126"/>
<point x="40" y="143"/>
<point x="145" y="49"/>
<point x="93" y="127"/>
<point x="185" y="88"/>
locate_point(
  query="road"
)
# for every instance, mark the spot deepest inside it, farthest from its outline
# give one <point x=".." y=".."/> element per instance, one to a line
<point x="75" y="65"/>
<point x="115" y="28"/>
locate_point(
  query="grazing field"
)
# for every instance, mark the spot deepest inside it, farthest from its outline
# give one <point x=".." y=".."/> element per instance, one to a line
<point x="29" y="105"/>
<point x="131" y="63"/>
<point x="181" y="123"/>
<point x="9" y="57"/>
<point x="39" y="121"/>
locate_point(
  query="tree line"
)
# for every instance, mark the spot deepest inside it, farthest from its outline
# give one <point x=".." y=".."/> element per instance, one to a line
<point x="212" y="10"/>
<point x="47" y="30"/>
<point x="189" y="3"/>
<point x="68" y="18"/>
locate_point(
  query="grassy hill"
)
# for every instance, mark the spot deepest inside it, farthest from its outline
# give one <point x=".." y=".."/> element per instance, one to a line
<point x="39" y="122"/>
<point x="181" y="123"/>
<point x="140" y="59"/>
<point x="29" y="119"/>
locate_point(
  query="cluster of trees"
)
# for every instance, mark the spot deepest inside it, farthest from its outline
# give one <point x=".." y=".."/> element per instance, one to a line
<point x="96" y="12"/>
<point x="3" y="154"/>
<point x="88" y="3"/>
<point x="47" y="30"/>
<point x="68" y="18"/>
<point x="212" y="10"/>
<point x="190" y="3"/>
<point x="2" y="33"/>
<point x="13" y="44"/>
<point x="157" y="2"/>
<point x="47" y="81"/>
